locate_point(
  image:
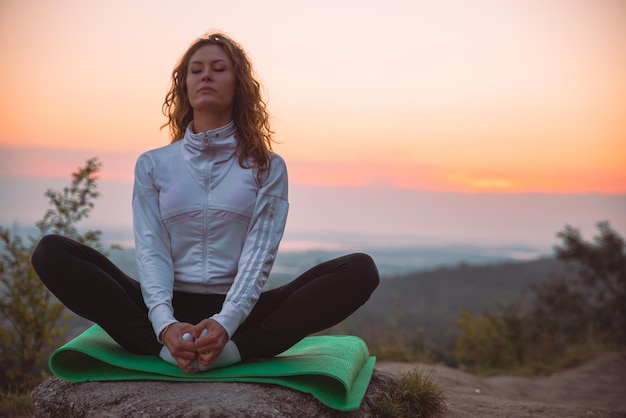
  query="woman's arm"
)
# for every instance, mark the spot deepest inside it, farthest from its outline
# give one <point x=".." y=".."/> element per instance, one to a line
<point x="156" y="272"/>
<point x="259" y="251"/>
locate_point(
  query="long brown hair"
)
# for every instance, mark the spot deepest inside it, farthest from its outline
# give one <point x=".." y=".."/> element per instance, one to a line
<point x="249" y="109"/>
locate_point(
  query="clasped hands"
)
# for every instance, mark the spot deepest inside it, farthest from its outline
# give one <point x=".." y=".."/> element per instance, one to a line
<point x="205" y="346"/>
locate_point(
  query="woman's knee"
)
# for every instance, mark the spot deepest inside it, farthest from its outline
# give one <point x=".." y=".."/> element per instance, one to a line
<point x="365" y="270"/>
<point x="47" y="250"/>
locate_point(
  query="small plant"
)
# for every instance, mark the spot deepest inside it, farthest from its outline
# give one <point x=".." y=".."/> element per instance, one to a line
<point x="29" y="314"/>
<point x="416" y="396"/>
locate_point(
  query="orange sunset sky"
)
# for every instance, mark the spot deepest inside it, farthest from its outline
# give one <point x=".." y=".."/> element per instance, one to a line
<point x="453" y="95"/>
<point x="402" y="122"/>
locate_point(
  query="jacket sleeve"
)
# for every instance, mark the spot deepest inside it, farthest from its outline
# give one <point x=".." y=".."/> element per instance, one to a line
<point x="259" y="250"/>
<point x="152" y="244"/>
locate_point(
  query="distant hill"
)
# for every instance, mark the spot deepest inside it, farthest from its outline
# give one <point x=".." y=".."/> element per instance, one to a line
<point x="391" y="261"/>
<point x="428" y="303"/>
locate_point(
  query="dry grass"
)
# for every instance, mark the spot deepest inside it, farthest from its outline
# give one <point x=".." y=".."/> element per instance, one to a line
<point x="417" y="395"/>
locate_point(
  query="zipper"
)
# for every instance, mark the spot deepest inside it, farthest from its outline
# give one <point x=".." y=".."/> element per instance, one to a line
<point x="205" y="233"/>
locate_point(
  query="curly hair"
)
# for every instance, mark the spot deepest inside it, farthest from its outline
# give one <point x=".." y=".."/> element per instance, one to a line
<point x="250" y="113"/>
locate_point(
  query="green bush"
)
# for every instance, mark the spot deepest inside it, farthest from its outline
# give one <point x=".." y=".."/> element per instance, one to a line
<point x="570" y="319"/>
<point x="29" y="313"/>
<point x="492" y="343"/>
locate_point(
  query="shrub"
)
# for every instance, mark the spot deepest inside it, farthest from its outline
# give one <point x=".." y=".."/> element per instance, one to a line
<point x="416" y="395"/>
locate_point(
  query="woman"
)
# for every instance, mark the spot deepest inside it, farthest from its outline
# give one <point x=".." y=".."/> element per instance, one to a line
<point x="209" y="212"/>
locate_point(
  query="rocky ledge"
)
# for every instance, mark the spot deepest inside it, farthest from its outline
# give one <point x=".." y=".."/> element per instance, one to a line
<point x="59" y="398"/>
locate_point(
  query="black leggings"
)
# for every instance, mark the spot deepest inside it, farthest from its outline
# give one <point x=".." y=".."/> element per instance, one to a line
<point x="90" y="285"/>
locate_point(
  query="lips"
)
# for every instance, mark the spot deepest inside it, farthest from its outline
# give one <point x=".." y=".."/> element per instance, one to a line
<point x="206" y="90"/>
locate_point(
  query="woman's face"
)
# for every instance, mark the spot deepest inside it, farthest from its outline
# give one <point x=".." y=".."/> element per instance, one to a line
<point x="211" y="81"/>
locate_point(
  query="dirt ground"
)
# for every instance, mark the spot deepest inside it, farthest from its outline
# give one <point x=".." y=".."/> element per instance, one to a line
<point x="594" y="389"/>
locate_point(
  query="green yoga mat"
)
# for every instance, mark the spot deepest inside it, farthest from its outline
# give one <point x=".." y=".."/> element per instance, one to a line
<point x="335" y="369"/>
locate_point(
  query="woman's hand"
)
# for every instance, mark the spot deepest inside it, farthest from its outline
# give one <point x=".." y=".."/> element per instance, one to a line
<point x="212" y="343"/>
<point x="184" y="352"/>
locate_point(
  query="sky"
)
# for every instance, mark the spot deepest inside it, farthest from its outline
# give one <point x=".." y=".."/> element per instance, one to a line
<point x="483" y="98"/>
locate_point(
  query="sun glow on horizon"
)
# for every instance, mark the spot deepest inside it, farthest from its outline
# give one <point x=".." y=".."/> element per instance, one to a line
<point x="36" y="162"/>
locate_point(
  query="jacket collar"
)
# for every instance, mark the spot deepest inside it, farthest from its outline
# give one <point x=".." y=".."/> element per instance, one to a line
<point x="223" y="137"/>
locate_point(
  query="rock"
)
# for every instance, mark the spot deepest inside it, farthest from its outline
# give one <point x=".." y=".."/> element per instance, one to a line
<point x="141" y="398"/>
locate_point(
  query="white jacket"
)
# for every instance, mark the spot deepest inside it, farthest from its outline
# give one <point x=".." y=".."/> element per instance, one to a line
<point x="204" y="224"/>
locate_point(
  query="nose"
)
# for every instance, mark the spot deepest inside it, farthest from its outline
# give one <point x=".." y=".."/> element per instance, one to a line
<point x="207" y="76"/>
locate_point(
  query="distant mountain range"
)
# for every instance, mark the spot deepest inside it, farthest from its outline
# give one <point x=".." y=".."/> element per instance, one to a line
<point x="391" y="261"/>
